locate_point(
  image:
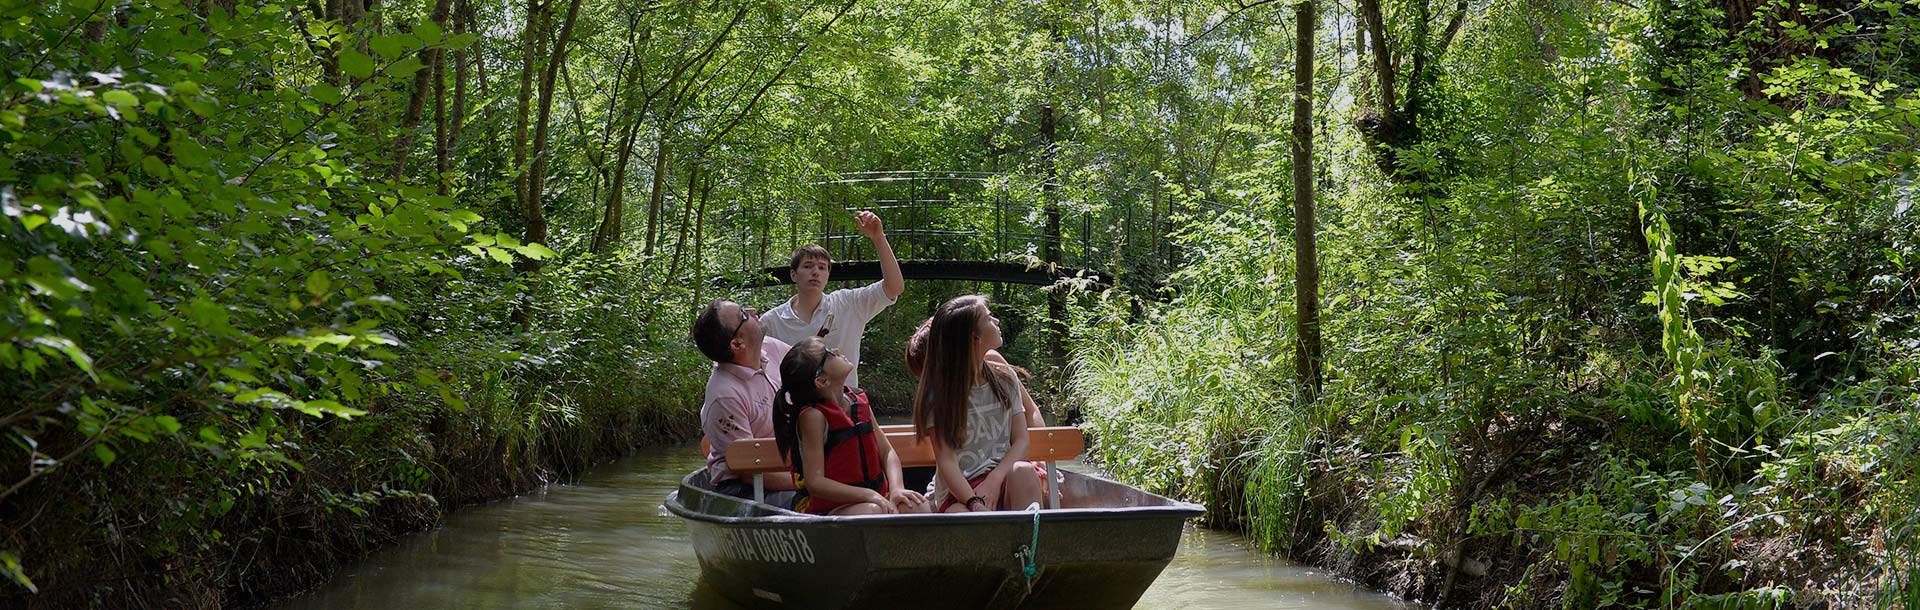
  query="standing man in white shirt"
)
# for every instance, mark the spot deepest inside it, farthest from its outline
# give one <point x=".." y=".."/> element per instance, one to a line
<point x="838" y="318"/>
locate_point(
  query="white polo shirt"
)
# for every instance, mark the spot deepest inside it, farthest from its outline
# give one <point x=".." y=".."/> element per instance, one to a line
<point x="849" y="308"/>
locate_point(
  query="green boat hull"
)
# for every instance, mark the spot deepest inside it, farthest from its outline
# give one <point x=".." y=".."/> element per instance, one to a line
<point x="1102" y="549"/>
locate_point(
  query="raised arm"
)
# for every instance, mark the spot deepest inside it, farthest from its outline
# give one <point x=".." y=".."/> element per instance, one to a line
<point x="891" y="279"/>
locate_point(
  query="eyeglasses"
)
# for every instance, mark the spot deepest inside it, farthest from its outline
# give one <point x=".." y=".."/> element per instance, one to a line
<point x="825" y="355"/>
<point x="745" y="314"/>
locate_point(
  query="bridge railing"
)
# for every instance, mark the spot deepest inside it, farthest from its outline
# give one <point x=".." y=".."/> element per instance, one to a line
<point x="978" y="216"/>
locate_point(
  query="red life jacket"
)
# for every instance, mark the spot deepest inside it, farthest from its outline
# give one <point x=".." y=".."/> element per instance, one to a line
<point x="851" y="455"/>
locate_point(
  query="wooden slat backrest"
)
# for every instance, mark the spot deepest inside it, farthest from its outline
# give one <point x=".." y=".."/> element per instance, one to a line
<point x="889" y="429"/>
<point x="760" y="455"/>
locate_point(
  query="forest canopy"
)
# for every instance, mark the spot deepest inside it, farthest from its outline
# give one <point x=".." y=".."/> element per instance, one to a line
<point x="1609" y="303"/>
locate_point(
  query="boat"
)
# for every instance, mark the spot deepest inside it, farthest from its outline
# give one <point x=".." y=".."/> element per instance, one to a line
<point x="1102" y="547"/>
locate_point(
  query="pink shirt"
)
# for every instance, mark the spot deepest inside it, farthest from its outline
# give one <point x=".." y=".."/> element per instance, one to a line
<point x="739" y="405"/>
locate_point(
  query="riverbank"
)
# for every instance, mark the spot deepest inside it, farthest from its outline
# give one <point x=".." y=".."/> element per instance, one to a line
<point x="1511" y="482"/>
<point x="226" y="511"/>
<point x="356" y="490"/>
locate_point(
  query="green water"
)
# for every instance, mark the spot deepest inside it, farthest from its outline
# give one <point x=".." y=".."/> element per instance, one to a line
<point x="605" y="542"/>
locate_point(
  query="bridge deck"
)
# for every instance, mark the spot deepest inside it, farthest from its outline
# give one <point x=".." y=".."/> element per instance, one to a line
<point x="978" y="271"/>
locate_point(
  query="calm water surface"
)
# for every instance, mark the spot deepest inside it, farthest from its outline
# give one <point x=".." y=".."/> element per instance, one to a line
<point x="605" y="542"/>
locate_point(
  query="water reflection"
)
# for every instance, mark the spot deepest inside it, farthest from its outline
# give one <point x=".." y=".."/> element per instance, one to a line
<point x="605" y="542"/>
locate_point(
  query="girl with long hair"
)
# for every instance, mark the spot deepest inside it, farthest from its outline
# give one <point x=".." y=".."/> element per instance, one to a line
<point x="970" y="408"/>
<point x="841" y="461"/>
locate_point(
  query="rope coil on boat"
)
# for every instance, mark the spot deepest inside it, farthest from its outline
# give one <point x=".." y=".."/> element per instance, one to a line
<point x="1029" y="554"/>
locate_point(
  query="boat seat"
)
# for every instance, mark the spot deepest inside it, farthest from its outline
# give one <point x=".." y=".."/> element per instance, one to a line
<point x="759" y="456"/>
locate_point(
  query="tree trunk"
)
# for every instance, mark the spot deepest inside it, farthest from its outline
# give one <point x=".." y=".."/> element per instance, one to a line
<point x="424" y="80"/>
<point x="530" y="57"/>
<point x="658" y="192"/>
<point x="442" y="165"/>
<point x="686" y="216"/>
<point x="1306" y="263"/>
<point x="1050" y="250"/>
<point x="607" y="235"/>
<point x="335" y="11"/>
<point x="700" y="243"/>
<point x="461" y="15"/>
<point x="537" y="176"/>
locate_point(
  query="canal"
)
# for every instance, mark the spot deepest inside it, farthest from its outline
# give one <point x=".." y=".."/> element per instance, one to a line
<point x="605" y="542"/>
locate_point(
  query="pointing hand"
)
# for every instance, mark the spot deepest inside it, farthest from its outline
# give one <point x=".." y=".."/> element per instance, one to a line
<point x="869" y="223"/>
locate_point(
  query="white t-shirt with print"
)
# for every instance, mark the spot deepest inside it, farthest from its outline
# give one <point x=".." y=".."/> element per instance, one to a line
<point x="848" y="308"/>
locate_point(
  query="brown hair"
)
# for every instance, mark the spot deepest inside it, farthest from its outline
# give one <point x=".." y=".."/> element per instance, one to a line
<point x="917" y="353"/>
<point x="951" y="369"/>
<point x="805" y="252"/>
<point x="917" y="348"/>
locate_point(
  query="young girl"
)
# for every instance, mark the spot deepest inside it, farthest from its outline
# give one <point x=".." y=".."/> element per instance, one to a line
<point x="841" y="461"/>
<point x="970" y="408"/>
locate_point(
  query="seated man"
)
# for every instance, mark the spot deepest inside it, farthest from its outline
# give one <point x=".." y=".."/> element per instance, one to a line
<point x="739" y="401"/>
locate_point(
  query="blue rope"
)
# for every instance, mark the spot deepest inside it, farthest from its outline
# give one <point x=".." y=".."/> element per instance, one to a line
<point x="1032" y="552"/>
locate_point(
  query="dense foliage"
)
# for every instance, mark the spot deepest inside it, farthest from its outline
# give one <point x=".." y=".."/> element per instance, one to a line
<point x="1618" y="298"/>
<point x="1629" y="321"/>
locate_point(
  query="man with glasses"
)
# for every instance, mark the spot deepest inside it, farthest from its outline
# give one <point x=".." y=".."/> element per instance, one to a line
<point x="739" y="400"/>
<point x="838" y="318"/>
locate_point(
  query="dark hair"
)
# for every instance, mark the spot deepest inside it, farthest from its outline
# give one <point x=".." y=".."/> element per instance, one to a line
<point x="796" y="392"/>
<point x="805" y="252"/>
<point x="710" y="333"/>
<point x="950" y="370"/>
<point x="917" y="352"/>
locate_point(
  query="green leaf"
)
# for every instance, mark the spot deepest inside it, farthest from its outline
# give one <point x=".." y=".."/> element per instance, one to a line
<point x="105" y="454"/>
<point x="68" y="347"/>
<point x="121" y="98"/>
<point x="536" y="252"/>
<point x="188" y="152"/>
<point x="241" y="375"/>
<point x="321" y="407"/>
<point x="317" y="283"/>
<point x="356" y="64"/>
<point x="325" y="93"/>
<point x="500" y="254"/>
<point x="405" y="67"/>
<point x="389" y="46"/>
<point x="10" y="564"/>
<point x="32" y="85"/>
<point x="428" y="32"/>
<point x="447" y="396"/>
<point x="193" y="60"/>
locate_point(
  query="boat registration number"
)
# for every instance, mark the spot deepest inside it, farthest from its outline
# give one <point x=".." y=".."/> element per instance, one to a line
<point x="770" y="545"/>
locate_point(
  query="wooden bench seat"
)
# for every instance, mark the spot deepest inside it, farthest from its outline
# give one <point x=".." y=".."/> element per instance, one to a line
<point x="759" y="456"/>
